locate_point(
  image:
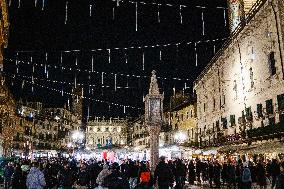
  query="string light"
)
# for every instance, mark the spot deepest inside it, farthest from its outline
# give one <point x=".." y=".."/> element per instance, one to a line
<point x="90" y="10"/>
<point x="136" y="16"/>
<point x="19" y="3"/>
<point x="66" y="12"/>
<point x="43" y="4"/>
<point x="50" y="88"/>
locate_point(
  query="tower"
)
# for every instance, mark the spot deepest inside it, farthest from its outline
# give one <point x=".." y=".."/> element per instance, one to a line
<point x="237" y="10"/>
<point x="77" y="102"/>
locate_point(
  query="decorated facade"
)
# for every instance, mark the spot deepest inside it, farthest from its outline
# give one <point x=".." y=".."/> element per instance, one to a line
<point x="240" y="94"/>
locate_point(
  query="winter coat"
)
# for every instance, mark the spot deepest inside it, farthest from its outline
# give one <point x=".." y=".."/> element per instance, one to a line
<point x="35" y="179"/>
<point x="116" y="180"/>
<point x="163" y="173"/>
<point x="280" y="181"/>
<point x="102" y="175"/>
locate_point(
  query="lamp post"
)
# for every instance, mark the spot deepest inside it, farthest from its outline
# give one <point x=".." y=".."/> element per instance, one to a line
<point x="153" y="119"/>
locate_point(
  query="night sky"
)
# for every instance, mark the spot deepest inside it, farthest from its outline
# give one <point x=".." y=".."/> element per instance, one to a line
<point x="44" y="31"/>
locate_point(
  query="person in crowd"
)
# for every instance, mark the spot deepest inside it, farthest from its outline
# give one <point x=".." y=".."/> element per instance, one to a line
<point x="35" y="178"/>
<point x="224" y="173"/>
<point x="173" y="169"/>
<point x="246" y="177"/>
<point x="116" y="180"/>
<point x="198" y="169"/>
<point x="261" y="175"/>
<point x="231" y="175"/>
<point x="145" y="178"/>
<point x="65" y="177"/>
<point x="211" y="173"/>
<point x="8" y="172"/>
<point x="163" y="174"/>
<point x="83" y="180"/>
<point x="280" y="178"/>
<point x="217" y="174"/>
<point x="132" y="174"/>
<point x="274" y="171"/>
<point x="105" y="172"/>
<point x="239" y="172"/>
<point x="180" y="174"/>
<point x="191" y="172"/>
<point x="17" y="179"/>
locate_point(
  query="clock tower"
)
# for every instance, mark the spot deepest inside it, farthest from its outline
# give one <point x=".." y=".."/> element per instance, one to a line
<point x="154" y="118"/>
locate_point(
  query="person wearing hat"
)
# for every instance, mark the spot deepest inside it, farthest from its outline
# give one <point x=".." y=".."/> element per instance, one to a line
<point x="280" y="179"/>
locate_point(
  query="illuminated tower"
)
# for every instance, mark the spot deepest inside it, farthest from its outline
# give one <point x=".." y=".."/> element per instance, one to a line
<point x="237" y="9"/>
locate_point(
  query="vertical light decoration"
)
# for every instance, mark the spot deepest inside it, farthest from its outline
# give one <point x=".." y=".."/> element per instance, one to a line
<point x="180" y="14"/>
<point x="35" y="3"/>
<point x="62" y="93"/>
<point x="136" y="16"/>
<point x="88" y="113"/>
<point x="158" y="13"/>
<point x="113" y="13"/>
<point x="82" y="93"/>
<point x="43" y="5"/>
<point x="90" y="10"/>
<point x="66" y="12"/>
<point x="102" y="78"/>
<point x="124" y="109"/>
<point x="92" y="62"/>
<point x="75" y="81"/>
<point x="17" y="63"/>
<point x="160" y="55"/>
<point x="203" y="23"/>
<point x="214" y="48"/>
<point x="196" y="56"/>
<point x="108" y="50"/>
<point x="225" y="20"/>
<point x="117" y="3"/>
<point x="33" y="70"/>
<point x="115" y="82"/>
<point x="68" y="103"/>
<point x="126" y="58"/>
<point x="23" y="84"/>
<point x="19" y="3"/>
<point x="10" y="2"/>
<point x="143" y="61"/>
<point x="76" y="61"/>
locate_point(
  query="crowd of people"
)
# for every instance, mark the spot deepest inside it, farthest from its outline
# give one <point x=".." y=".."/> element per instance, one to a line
<point x="68" y="174"/>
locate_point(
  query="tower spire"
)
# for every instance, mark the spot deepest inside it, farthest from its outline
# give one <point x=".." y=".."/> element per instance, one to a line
<point x="154" y="89"/>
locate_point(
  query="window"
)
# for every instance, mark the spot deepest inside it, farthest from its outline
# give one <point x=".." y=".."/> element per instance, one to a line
<point x="280" y="101"/>
<point x="224" y="122"/>
<point x="248" y="113"/>
<point x="271" y="121"/>
<point x="251" y="78"/>
<point x="271" y="61"/>
<point x="281" y="118"/>
<point x="232" y="120"/>
<point x="269" y="106"/>
<point x="235" y="89"/>
<point x="259" y="110"/>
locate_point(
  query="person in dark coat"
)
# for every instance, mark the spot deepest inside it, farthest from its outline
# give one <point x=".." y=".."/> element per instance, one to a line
<point x="116" y="180"/>
<point x="65" y="177"/>
<point x="260" y="174"/>
<point x="224" y="173"/>
<point x="211" y="173"/>
<point x="191" y="172"/>
<point x="198" y="169"/>
<point x="280" y="179"/>
<point x="163" y="174"/>
<point x="274" y="171"/>
<point x="217" y="174"/>
<point x="8" y="172"/>
<point x="17" y="180"/>
<point x="231" y="175"/>
<point x="180" y="174"/>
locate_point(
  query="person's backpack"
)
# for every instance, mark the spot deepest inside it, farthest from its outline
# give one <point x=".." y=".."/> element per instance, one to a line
<point x="246" y="175"/>
<point x="145" y="177"/>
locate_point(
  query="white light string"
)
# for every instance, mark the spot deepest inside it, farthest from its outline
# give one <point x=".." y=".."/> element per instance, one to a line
<point x="66" y="12"/>
<point x="97" y="72"/>
<point x="60" y="91"/>
<point x="131" y="47"/>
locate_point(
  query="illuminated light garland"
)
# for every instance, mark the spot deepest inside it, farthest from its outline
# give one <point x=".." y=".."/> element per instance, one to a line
<point x="66" y="13"/>
<point x="67" y="93"/>
<point x="97" y="72"/>
<point x="128" y="48"/>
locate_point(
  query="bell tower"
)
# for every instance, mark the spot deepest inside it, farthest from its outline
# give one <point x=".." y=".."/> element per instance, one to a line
<point x="237" y="10"/>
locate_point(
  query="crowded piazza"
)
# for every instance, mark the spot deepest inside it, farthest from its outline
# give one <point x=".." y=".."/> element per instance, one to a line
<point x="136" y="94"/>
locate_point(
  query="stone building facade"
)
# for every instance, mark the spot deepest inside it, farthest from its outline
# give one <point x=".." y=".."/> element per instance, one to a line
<point x="106" y="132"/>
<point x="242" y="87"/>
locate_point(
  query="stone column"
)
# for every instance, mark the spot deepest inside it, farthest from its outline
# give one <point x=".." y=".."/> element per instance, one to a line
<point x="154" y="131"/>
